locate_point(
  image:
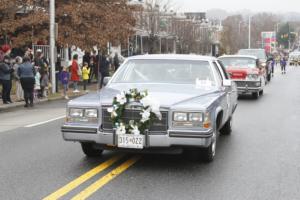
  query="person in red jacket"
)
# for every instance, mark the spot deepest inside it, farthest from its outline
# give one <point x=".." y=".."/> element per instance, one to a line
<point x="75" y="73"/>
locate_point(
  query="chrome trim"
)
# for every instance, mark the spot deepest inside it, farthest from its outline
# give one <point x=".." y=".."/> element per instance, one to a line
<point x="78" y="129"/>
<point x="190" y="134"/>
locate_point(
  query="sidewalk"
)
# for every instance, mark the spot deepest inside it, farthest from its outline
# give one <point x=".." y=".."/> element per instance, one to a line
<point x="52" y="97"/>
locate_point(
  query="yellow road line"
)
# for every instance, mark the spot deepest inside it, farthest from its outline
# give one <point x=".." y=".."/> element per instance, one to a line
<point x="105" y="179"/>
<point x="78" y="181"/>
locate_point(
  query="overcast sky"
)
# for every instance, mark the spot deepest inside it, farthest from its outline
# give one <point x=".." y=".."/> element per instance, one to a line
<point x="234" y="5"/>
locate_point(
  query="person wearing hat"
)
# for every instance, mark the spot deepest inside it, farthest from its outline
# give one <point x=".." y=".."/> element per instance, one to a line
<point x="4" y="51"/>
<point x="26" y="72"/>
<point x="5" y="77"/>
<point x="41" y="62"/>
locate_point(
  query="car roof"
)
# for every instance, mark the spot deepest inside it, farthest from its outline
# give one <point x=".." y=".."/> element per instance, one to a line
<point x="238" y="56"/>
<point x="172" y="57"/>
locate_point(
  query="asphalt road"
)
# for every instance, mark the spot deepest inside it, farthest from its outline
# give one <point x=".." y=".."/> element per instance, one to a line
<point x="260" y="160"/>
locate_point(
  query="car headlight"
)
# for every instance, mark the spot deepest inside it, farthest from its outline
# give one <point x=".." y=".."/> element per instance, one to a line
<point x="91" y="113"/>
<point x="76" y="112"/>
<point x="81" y="115"/>
<point x="188" y="119"/>
<point x="180" y="117"/>
<point x="195" y="117"/>
<point x="252" y="76"/>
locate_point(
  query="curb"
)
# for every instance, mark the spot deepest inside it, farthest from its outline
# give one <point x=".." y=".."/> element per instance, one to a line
<point x="7" y="107"/>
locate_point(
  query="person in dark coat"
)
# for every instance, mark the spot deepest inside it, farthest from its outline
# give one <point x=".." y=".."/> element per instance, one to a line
<point x="87" y="58"/>
<point x="93" y="67"/>
<point x="116" y="61"/>
<point x="26" y="72"/>
<point x="6" y="79"/>
<point x="40" y="61"/>
<point x="104" y="69"/>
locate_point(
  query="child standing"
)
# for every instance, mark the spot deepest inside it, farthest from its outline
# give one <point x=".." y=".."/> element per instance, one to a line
<point x="64" y="78"/>
<point x="37" y="85"/>
<point x="85" y="75"/>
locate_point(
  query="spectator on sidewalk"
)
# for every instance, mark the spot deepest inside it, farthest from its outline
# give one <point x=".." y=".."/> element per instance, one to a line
<point x="64" y="79"/>
<point x="75" y="73"/>
<point x="45" y="83"/>
<point x="116" y="61"/>
<point x="19" y="89"/>
<point x="85" y="75"/>
<point x="40" y="61"/>
<point x="37" y="85"/>
<point x="104" y="69"/>
<point x="26" y="72"/>
<point x="93" y="67"/>
<point x="87" y="57"/>
<point x="6" y="79"/>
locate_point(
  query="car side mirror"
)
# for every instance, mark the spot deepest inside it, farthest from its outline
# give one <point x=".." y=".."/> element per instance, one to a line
<point x="106" y="80"/>
<point x="227" y="83"/>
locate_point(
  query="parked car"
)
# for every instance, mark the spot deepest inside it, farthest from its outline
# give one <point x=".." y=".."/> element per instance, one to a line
<point x="263" y="60"/>
<point x="197" y="102"/>
<point x="246" y="72"/>
<point x="294" y="58"/>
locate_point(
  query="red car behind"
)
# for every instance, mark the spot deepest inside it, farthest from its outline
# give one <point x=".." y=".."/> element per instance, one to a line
<point x="246" y="72"/>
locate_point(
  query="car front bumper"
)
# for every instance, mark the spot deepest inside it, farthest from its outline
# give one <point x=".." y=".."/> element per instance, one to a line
<point x="174" y="138"/>
<point x="248" y="86"/>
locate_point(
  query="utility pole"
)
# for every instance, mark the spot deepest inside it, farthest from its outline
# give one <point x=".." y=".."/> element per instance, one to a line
<point x="52" y="44"/>
<point x="289" y="37"/>
<point x="249" y="36"/>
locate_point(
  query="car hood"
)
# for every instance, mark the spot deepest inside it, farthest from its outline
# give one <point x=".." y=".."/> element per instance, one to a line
<point x="240" y="72"/>
<point x="175" y="96"/>
<point x="168" y="95"/>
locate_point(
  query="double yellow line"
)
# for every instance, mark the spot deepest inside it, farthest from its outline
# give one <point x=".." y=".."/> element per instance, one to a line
<point x="88" y="191"/>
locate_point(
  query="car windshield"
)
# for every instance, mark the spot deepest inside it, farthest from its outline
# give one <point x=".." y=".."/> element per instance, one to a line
<point x="260" y="54"/>
<point x="238" y="62"/>
<point x="165" y="71"/>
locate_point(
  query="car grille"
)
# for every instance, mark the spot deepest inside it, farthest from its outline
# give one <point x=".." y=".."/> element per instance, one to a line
<point x="158" y="127"/>
<point x="245" y="83"/>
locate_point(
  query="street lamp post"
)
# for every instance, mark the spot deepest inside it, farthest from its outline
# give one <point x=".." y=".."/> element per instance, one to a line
<point x="249" y="34"/>
<point x="52" y="44"/>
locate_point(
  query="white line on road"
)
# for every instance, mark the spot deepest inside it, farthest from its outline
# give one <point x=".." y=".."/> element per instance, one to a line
<point x="44" y="122"/>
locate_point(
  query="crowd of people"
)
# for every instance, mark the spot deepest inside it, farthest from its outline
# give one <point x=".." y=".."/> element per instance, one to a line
<point x="94" y="67"/>
<point x="30" y="74"/>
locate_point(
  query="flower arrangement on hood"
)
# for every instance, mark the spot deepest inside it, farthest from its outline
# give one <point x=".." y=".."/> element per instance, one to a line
<point x="149" y="112"/>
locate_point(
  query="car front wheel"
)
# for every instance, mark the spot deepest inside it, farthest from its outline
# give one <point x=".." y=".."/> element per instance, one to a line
<point x="227" y="128"/>
<point x="90" y="151"/>
<point x="261" y="93"/>
<point x="255" y="95"/>
<point x="208" y="153"/>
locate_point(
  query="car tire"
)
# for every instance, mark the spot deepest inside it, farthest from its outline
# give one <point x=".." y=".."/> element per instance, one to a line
<point x="255" y="95"/>
<point x="208" y="153"/>
<point x="261" y="93"/>
<point x="227" y="128"/>
<point x="90" y="151"/>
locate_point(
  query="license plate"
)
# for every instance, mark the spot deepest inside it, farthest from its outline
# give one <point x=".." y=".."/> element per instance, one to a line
<point x="131" y="141"/>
